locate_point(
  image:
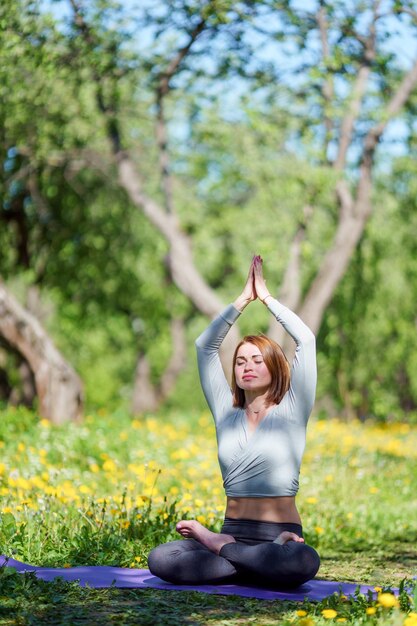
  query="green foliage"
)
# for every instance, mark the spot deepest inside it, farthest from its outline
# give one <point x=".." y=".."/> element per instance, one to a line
<point x="248" y="155"/>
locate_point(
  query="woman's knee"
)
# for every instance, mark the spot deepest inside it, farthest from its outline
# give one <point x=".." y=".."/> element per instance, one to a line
<point x="307" y="563"/>
<point x="161" y="562"/>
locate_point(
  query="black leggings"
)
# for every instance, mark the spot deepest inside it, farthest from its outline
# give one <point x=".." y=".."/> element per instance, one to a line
<point x="254" y="559"/>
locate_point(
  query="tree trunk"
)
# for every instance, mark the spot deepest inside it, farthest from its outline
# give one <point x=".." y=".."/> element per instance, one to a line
<point x="58" y="387"/>
<point x="144" y="398"/>
<point x="146" y="395"/>
<point x="182" y="268"/>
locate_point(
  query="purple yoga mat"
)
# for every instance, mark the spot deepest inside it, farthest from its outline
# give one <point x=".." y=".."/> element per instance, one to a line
<point x="107" y="576"/>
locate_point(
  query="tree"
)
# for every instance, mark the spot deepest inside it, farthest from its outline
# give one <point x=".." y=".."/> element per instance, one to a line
<point x="350" y="88"/>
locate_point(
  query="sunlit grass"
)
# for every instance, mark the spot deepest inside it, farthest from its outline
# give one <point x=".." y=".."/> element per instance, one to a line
<point x="109" y="490"/>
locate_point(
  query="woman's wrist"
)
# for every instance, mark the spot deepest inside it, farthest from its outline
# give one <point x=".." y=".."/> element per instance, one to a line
<point x="241" y="302"/>
<point x="268" y="295"/>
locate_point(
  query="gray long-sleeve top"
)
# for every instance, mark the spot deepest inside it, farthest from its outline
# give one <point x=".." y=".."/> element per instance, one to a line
<point x="267" y="462"/>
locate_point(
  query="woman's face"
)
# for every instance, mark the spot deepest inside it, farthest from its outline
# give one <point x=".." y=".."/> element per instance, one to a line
<point x="251" y="372"/>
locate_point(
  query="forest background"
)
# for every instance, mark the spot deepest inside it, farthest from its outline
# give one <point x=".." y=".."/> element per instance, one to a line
<point x="150" y="148"/>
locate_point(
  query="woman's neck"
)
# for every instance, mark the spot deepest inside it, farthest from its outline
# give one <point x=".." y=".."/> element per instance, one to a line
<point x="256" y="403"/>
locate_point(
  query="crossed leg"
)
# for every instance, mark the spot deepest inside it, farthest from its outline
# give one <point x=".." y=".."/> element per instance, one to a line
<point x="216" y="557"/>
<point x="188" y="562"/>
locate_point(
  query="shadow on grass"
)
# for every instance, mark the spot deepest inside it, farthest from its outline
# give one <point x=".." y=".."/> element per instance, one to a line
<point x="131" y="607"/>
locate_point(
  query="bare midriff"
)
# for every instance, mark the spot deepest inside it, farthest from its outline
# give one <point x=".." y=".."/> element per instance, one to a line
<point x="281" y="509"/>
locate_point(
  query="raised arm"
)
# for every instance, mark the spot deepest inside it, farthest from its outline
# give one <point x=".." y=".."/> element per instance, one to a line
<point x="304" y="368"/>
<point x="213" y="381"/>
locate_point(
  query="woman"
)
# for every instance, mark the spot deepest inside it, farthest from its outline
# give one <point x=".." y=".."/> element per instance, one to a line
<point x="261" y="427"/>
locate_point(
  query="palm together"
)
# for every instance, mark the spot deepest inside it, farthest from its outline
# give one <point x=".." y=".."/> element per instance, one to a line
<point x="255" y="284"/>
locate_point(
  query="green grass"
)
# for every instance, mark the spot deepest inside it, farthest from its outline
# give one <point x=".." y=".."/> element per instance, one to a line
<point x="109" y="490"/>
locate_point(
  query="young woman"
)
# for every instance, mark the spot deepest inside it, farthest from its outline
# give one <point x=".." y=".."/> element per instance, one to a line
<point x="261" y="430"/>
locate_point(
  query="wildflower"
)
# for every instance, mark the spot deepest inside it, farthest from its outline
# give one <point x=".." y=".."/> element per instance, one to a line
<point x="67" y="565"/>
<point x="378" y="589"/>
<point x="109" y="465"/>
<point x="373" y="490"/>
<point x="311" y="500"/>
<point x="387" y="600"/>
<point x="306" y="621"/>
<point x="319" y="530"/>
<point x="329" y="613"/>
<point x="301" y="613"/>
<point x="410" y="620"/>
<point x="371" y="610"/>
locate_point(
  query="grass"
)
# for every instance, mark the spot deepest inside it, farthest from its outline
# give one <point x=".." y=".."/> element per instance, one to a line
<point x="109" y="490"/>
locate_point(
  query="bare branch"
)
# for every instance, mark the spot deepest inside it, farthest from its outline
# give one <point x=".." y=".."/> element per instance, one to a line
<point x="350" y="118"/>
<point x="408" y="11"/>
<point x="162" y="89"/>
<point x="290" y="291"/>
<point x="328" y="88"/>
<point x="398" y="100"/>
<point x="165" y="76"/>
<point x="358" y="91"/>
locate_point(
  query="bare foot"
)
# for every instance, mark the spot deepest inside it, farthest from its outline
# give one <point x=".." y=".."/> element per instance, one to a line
<point x="287" y="536"/>
<point x="213" y="541"/>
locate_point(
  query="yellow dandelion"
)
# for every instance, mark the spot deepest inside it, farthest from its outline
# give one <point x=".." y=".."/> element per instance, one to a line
<point x="378" y="589"/>
<point x="44" y="423"/>
<point x="387" y="600"/>
<point x="329" y="613"/>
<point x="371" y="610"/>
<point x="373" y="490"/>
<point x="306" y="621"/>
<point x="319" y="530"/>
<point x="301" y="613"/>
<point x="109" y="465"/>
<point x="410" y="620"/>
<point x="311" y="500"/>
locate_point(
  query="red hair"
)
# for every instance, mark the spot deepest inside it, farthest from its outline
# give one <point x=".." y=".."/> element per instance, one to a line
<point x="276" y="363"/>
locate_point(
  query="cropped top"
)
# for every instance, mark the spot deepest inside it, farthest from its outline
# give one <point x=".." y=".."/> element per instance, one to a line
<point x="267" y="462"/>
